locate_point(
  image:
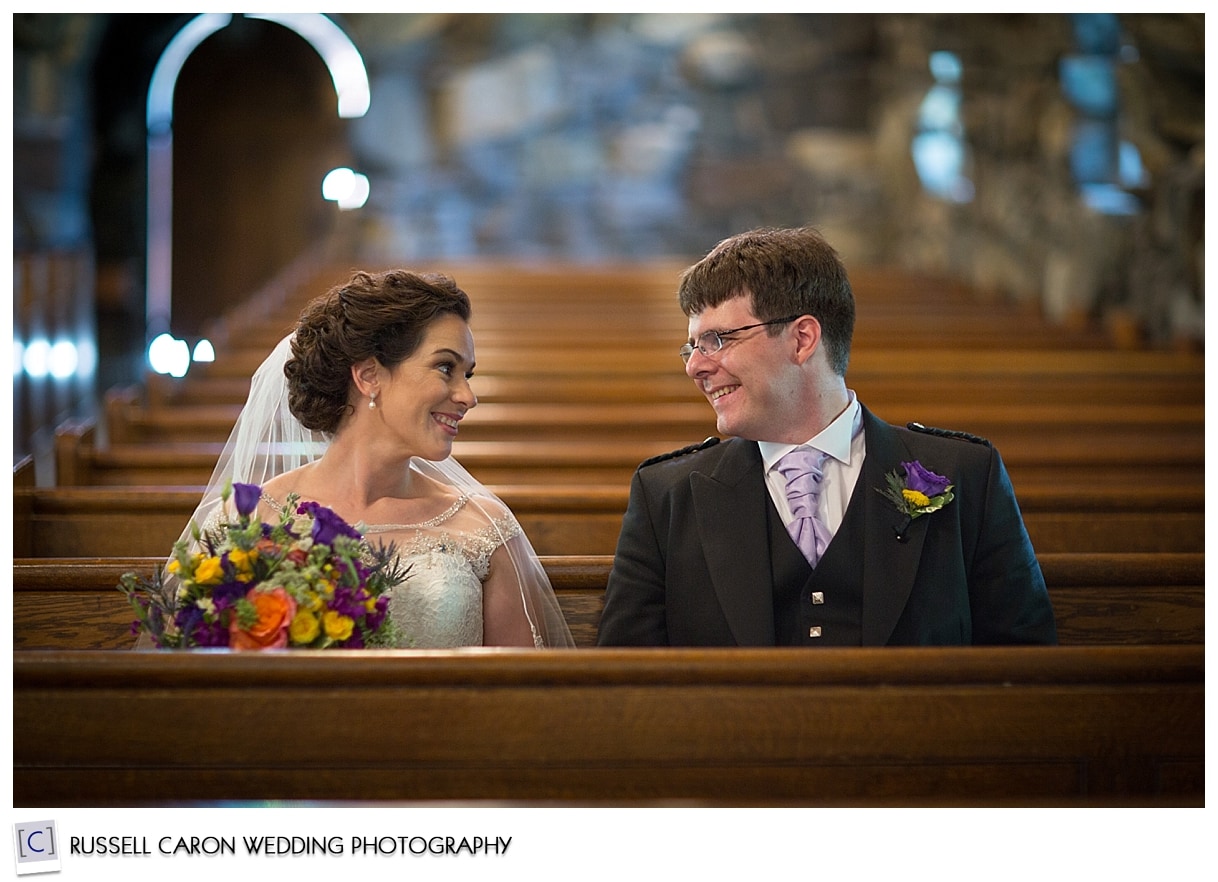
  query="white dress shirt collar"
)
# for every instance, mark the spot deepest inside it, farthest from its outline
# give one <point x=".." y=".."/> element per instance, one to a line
<point x="834" y="439"/>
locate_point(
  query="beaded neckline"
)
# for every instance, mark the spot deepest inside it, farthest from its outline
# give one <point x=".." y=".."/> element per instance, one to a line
<point x="390" y="528"/>
<point x="433" y="522"/>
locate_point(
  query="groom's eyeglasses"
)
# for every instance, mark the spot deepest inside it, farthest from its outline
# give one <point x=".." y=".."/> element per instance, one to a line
<point x="711" y="342"/>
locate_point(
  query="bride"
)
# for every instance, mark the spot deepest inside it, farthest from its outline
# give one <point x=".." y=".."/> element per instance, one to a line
<point x="357" y="410"/>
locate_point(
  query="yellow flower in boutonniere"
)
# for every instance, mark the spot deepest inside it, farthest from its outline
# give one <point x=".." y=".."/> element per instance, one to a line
<point x="915" y="490"/>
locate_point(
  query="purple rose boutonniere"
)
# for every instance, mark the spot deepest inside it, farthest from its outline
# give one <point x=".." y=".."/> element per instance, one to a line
<point x="916" y="492"/>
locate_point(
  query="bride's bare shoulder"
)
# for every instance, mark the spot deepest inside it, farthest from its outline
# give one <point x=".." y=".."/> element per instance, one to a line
<point x="278" y="487"/>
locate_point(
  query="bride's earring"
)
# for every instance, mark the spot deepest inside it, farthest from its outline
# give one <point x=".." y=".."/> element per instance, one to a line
<point x="372" y="402"/>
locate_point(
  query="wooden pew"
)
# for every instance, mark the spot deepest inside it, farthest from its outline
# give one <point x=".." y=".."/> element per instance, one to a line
<point x="586" y="519"/>
<point x="532" y="321"/>
<point x="973" y="365"/>
<point x="1003" y="422"/>
<point x="1142" y="460"/>
<point x="542" y="321"/>
<point x="897" y="303"/>
<point x="961" y="388"/>
<point x="1098" y="599"/>
<point x="1063" y="726"/>
<point x="880" y="393"/>
<point x="123" y="521"/>
<point x="581" y="301"/>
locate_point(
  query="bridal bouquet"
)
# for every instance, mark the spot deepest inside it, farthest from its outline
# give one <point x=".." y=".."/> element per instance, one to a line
<point x="306" y="582"/>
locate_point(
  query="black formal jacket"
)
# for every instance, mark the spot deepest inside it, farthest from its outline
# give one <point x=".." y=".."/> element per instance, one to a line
<point x="693" y="563"/>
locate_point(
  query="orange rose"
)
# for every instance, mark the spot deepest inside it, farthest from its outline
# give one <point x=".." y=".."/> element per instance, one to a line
<point x="276" y="610"/>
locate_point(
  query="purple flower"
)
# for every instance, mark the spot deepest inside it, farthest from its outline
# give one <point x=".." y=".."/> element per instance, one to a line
<point x="245" y="497"/>
<point x="228" y="593"/>
<point x="919" y="478"/>
<point x="326" y="524"/>
<point x="378" y="614"/>
<point x="210" y="634"/>
<point x="190" y="622"/>
<point x="348" y="602"/>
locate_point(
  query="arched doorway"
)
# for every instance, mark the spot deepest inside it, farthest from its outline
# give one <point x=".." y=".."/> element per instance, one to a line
<point x="244" y="120"/>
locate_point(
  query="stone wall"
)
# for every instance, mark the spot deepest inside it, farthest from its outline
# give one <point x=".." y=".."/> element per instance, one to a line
<point x="592" y="137"/>
<point x="1027" y="233"/>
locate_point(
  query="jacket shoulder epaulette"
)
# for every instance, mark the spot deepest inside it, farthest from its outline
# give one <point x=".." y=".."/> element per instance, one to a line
<point x="948" y="433"/>
<point x="692" y="448"/>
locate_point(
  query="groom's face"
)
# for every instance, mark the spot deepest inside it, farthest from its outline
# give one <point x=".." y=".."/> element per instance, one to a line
<point x="750" y="381"/>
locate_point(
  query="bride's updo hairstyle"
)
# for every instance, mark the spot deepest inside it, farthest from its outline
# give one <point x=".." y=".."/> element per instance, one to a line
<point x="373" y="314"/>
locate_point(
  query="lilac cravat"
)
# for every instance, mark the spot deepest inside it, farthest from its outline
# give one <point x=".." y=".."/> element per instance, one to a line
<point x="802" y="470"/>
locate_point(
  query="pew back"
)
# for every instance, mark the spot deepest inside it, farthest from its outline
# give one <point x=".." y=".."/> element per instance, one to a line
<point x="996" y="726"/>
<point x="1137" y="458"/>
<point x="586" y="519"/>
<point x="1004" y="423"/>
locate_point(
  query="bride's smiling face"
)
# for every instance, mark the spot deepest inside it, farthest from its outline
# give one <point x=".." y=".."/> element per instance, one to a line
<point x="424" y="398"/>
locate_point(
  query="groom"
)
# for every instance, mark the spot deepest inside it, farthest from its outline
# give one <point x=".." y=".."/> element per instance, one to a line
<point x="814" y="523"/>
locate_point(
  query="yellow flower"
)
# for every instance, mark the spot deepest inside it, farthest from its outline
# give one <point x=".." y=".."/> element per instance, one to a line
<point x="304" y="628"/>
<point x="919" y="500"/>
<point x="244" y="562"/>
<point x="338" y="626"/>
<point x="209" y="571"/>
<point x="174" y="566"/>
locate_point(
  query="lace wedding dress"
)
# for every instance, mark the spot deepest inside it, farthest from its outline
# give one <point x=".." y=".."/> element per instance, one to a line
<point x="446" y="559"/>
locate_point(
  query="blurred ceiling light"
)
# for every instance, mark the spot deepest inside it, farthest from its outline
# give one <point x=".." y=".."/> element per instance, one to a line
<point x="204" y="351"/>
<point x="37" y="358"/>
<point x="169" y="355"/>
<point x="349" y="189"/>
<point x="64" y="359"/>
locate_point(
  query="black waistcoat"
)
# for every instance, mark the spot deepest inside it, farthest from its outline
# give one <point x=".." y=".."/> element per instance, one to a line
<point x="829" y="598"/>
